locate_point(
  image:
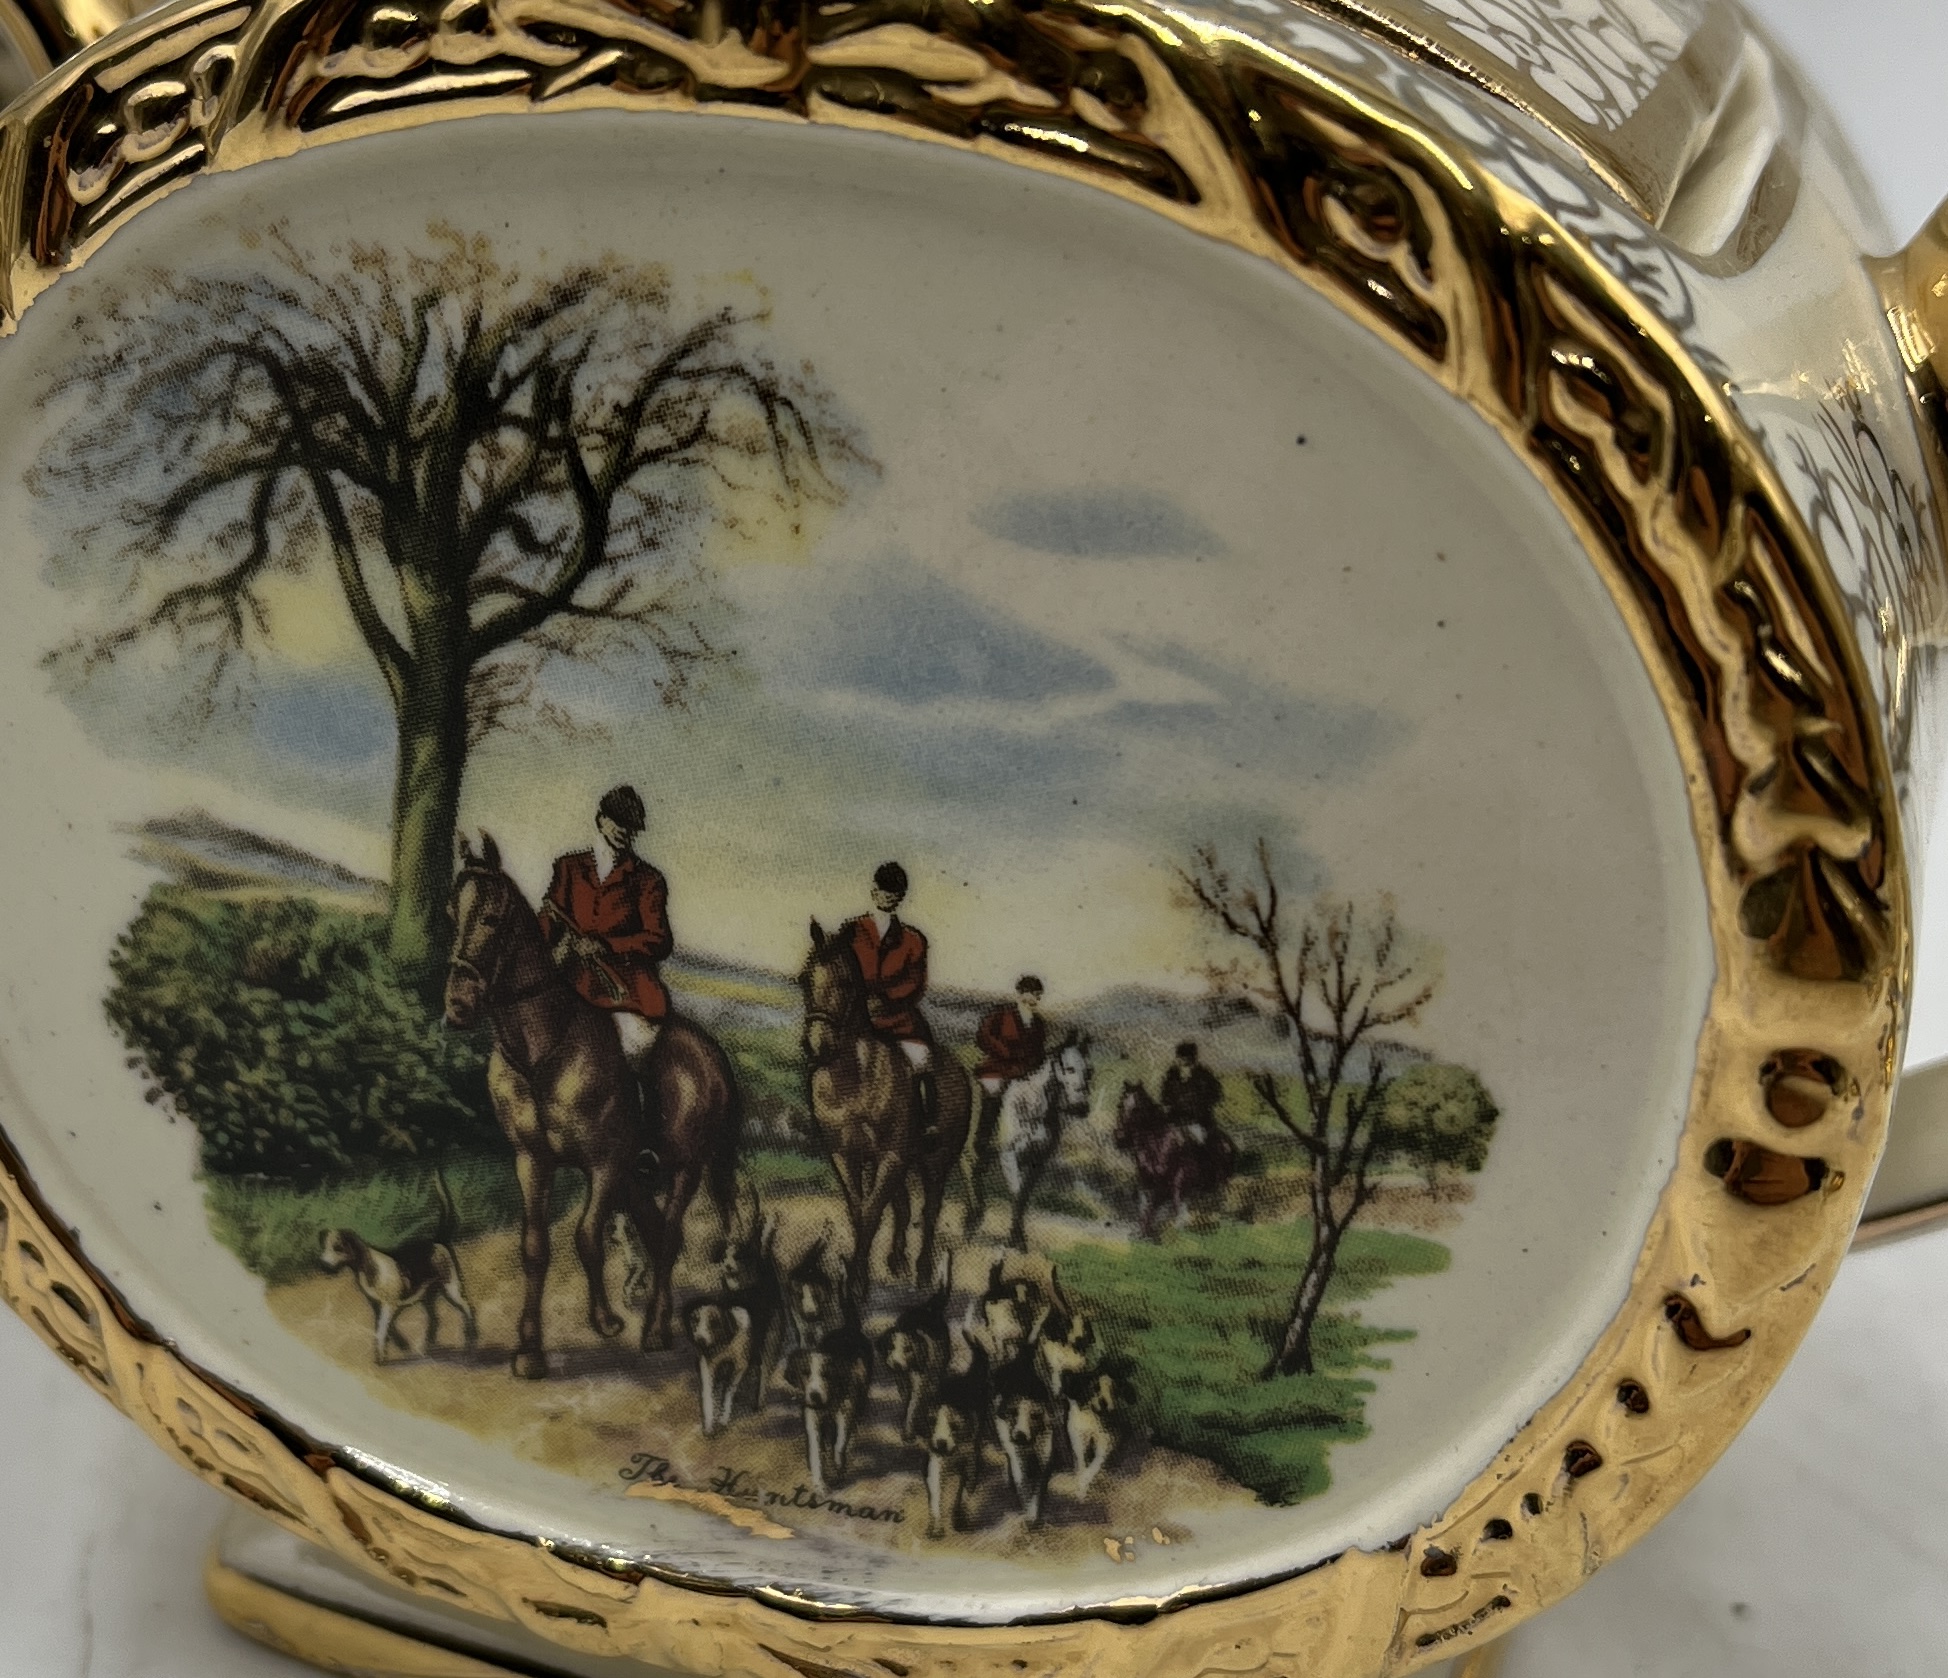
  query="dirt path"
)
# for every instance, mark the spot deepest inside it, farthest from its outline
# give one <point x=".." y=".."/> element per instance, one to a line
<point x="612" y="1415"/>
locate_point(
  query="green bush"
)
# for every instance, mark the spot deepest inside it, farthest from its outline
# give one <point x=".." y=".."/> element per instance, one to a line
<point x="1438" y="1116"/>
<point x="280" y="1029"/>
<point x="1196" y="1316"/>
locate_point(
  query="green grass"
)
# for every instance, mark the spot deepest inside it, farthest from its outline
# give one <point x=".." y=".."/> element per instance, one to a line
<point x="274" y="1227"/>
<point x="785" y="1171"/>
<point x="771" y="1077"/>
<point x="1194" y="1316"/>
<point x="1197" y="1315"/>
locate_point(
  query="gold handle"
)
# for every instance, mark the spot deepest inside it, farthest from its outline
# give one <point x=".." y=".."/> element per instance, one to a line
<point x="36" y="35"/>
<point x="1910" y="1192"/>
<point x="1914" y="286"/>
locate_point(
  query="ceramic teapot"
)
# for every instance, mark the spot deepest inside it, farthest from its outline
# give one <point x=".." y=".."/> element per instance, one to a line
<point x="1038" y="838"/>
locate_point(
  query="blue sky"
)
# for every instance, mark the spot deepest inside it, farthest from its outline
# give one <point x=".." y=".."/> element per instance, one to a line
<point x="1033" y="716"/>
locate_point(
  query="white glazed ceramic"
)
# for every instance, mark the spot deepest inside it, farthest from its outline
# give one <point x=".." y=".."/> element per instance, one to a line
<point x="1513" y="551"/>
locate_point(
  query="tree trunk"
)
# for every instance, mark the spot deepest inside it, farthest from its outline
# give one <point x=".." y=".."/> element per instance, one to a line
<point x="425" y="813"/>
<point x="1295" y="1350"/>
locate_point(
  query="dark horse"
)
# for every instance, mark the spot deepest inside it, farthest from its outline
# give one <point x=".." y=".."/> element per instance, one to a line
<point x="1173" y="1167"/>
<point x="863" y="1101"/>
<point x="564" y="1096"/>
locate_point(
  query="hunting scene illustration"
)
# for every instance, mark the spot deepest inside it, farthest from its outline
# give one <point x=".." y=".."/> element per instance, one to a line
<point x="707" y="1102"/>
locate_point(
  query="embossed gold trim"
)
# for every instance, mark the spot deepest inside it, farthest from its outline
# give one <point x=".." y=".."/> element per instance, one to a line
<point x="1667" y="145"/>
<point x="1738" y="620"/>
<point x="338" y="1641"/>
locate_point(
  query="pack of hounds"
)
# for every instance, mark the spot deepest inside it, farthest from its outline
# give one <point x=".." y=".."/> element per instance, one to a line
<point x="1022" y="1371"/>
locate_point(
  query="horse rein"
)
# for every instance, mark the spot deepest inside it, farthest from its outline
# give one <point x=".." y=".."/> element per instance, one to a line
<point x="833" y="1023"/>
<point x="856" y="1021"/>
<point x="838" y="1024"/>
<point x="489" y="984"/>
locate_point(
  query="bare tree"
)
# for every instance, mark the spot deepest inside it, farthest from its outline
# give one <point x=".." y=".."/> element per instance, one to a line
<point x="1336" y="978"/>
<point x="500" y="472"/>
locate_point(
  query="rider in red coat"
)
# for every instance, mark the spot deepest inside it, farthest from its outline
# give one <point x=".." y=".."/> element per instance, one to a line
<point x="1013" y="1040"/>
<point x="607" y="917"/>
<point x="892" y="959"/>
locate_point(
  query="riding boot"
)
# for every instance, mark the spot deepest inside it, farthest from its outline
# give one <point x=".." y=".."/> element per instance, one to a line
<point x="642" y="1069"/>
<point x="985" y="1127"/>
<point x="926" y="1094"/>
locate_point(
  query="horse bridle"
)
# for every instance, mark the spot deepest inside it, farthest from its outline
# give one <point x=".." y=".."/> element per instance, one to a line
<point x="818" y="1016"/>
<point x="489" y="982"/>
<point x="510" y="1051"/>
<point x="838" y="1023"/>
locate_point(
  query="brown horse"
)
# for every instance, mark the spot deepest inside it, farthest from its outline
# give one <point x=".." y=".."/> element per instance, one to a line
<point x="1175" y="1163"/>
<point x="864" y="1102"/>
<point x="564" y="1096"/>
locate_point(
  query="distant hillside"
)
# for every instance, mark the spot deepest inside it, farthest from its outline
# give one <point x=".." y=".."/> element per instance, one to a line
<point x="1132" y="1022"/>
<point x="195" y="849"/>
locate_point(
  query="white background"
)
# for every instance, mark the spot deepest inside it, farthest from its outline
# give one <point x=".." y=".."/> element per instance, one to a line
<point x="1817" y="1549"/>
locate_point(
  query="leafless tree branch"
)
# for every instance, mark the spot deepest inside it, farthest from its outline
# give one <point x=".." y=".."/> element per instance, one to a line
<point x="519" y="446"/>
<point x="1336" y="979"/>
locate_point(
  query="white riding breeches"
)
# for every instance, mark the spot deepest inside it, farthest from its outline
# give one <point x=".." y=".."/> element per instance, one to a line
<point x="638" y="1035"/>
<point x="919" y="1055"/>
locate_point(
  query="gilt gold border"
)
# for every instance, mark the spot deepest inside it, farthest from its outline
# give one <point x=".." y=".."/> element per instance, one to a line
<point x="1734" y="611"/>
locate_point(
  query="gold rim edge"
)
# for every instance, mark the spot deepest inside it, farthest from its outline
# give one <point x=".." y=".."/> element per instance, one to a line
<point x="1717" y="576"/>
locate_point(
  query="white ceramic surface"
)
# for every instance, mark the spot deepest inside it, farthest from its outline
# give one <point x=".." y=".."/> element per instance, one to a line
<point x="1393" y="689"/>
<point x="1809" y="1512"/>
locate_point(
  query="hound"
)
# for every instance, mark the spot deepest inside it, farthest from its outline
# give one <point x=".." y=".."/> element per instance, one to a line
<point x="419" y="1272"/>
<point x="1095" y="1404"/>
<point x="956" y="1420"/>
<point x="833" y="1381"/>
<point x="728" y="1353"/>
<point x="1007" y="1317"/>
<point x="749" y="1269"/>
<point x="635" y="1258"/>
<point x="1024" y="1422"/>
<point x="1064" y="1342"/>
<point x="916" y="1349"/>
<point x="816" y="1302"/>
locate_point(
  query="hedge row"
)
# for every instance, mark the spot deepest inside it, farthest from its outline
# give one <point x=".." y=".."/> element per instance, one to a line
<point x="280" y="1029"/>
